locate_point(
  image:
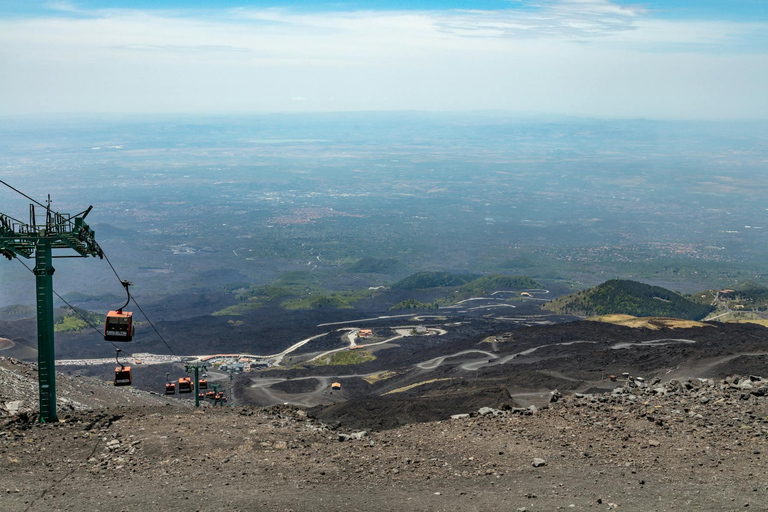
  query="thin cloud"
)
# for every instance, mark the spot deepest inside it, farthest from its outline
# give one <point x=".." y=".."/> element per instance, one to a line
<point x="62" y="5"/>
<point x="564" y="19"/>
<point x="172" y="48"/>
<point x="589" y="57"/>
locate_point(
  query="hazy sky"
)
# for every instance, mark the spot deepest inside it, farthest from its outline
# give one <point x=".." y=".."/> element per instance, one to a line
<point x="653" y="59"/>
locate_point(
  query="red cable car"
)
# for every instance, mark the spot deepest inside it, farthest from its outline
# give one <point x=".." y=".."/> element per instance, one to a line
<point x="119" y="325"/>
<point x="202" y="384"/>
<point x="122" y="372"/>
<point x="185" y="385"/>
<point x="170" y="388"/>
<point x="123" y="376"/>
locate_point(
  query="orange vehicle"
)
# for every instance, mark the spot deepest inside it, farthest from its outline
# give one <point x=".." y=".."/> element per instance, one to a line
<point x="119" y="326"/>
<point x="336" y="385"/>
<point x="210" y="394"/>
<point x="202" y="384"/>
<point x="123" y="376"/>
<point x="185" y="385"/>
<point x="170" y="388"/>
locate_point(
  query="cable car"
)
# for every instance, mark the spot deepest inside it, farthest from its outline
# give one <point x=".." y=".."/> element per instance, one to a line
<point x="185" y="385"/>
<point x="122" y="372"/>
<point x="123" y="376"/>
<point x="202" y="384"/>
<point x="170" y="388"/>
<point x="119" y="324"/>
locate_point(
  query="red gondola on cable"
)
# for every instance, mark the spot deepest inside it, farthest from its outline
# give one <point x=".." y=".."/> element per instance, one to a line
<point x="185" y="385"/>
<point x="123" y="376"/>
<point x="122" y="372"/>
<point x="203" y="384"/>
<point x="119" y="324"/>
<point x="170" y="387"/>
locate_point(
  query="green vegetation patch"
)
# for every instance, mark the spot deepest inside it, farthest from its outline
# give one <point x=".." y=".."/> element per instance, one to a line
<point x="345" y="358"/>
<point x="424" y="280"/>
<point x="489" y="284"/>
<point x="17" y="311"/>
<point x="331" y="300"/>
<point x="628" y="298"/>
<point x="71" y="322"/>
<point x="414" y="304"/>
<point x="486" y="285"/>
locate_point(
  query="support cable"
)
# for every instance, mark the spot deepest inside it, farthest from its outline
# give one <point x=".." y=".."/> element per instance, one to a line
<point x="83" y="318"/>
<point x="137" y="305"/>
<point x="110" y="266"/>
<point x="23" y="194"/>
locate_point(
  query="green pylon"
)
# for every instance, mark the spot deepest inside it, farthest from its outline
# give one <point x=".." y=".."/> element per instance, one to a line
<point x="60" y="231"/>
<point x="196" y="368"/>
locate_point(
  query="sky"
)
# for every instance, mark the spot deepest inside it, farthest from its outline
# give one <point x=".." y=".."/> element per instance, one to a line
<point x="657" y="59"/>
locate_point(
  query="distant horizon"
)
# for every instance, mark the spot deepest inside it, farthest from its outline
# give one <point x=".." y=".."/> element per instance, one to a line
<point x="508" y="114"/>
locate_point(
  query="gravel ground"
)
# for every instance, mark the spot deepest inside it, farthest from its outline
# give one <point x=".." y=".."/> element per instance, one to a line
<point x="692" y="445"/>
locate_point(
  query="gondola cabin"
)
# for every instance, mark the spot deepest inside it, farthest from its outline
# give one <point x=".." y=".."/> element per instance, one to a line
<point x="203" y="384"/>
<point x="210" y="394"/>
<point x="123" y="376"/>
<point x="170" y="388"/>
<point x="185" y="385"/>
<point x="119" y="326"/>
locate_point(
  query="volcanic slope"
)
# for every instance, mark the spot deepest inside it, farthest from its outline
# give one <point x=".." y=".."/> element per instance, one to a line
<point x="19" y="392"/>
<point x="681" y="445"/>
<point x="427" y="379"/>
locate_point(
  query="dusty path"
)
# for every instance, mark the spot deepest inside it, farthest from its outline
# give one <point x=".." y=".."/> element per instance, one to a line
<point x="703" y="368"/>
<point x="659" y="343"/>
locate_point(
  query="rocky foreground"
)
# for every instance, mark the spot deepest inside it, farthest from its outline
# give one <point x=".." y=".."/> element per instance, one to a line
<point x="693" y="445"/>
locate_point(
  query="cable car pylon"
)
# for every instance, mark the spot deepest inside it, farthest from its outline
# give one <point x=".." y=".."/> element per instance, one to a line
<point x="196" y="368"/>
<point x="59" y="231"/>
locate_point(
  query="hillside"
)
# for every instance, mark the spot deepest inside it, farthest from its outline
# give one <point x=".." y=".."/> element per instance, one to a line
<point x="425" y="280"/>
<point x="19" y="392"/>
<point x="688" y="445"/>
<point x="747" y="296"/>
<point x="620" y="297"/>
<point x="467" y="284"/>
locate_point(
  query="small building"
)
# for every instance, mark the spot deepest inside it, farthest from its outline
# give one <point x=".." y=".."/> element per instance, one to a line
<point x="336" y="385"/>
<point x="365" y="333"/>
<point x="420" y="329"/>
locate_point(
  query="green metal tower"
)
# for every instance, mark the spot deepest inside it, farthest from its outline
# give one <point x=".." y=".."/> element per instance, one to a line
<point x="196" y="368"/>
<point x="59" y="231"/>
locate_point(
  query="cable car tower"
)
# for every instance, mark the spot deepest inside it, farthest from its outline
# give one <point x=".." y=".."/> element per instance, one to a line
<point x="60" y="231"/>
